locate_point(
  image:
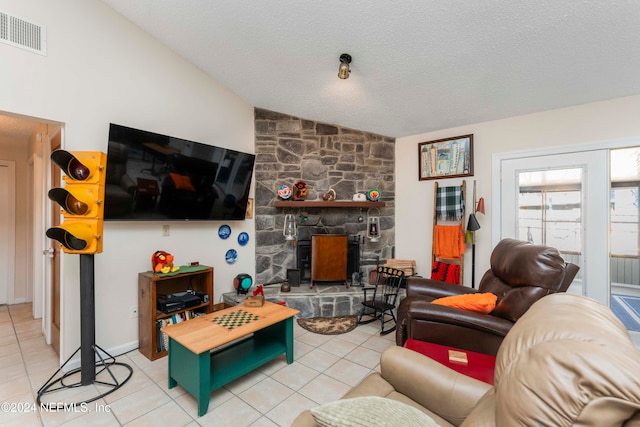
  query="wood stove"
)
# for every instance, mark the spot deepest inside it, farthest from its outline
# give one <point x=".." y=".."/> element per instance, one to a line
<point x="304" y="259"/>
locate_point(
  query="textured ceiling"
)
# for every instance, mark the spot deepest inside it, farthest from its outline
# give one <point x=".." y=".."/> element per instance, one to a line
<point x="418" y="65"/>
<point x="16" y="130"/>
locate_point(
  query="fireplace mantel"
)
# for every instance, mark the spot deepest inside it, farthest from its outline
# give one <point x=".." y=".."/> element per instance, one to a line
<point x="326" y="204"/>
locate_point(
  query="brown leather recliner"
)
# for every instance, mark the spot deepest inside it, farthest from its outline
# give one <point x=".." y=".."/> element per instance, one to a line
<point x="521" y="273"/>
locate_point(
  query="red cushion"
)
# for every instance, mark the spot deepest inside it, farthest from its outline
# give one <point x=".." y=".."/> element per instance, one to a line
<point x="479" y="366"/>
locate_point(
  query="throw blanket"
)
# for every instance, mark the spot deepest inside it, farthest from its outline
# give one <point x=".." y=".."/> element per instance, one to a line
<point x="448" y="241"/>
<point x="449" y="203"/>
<point x="444" y="272"/>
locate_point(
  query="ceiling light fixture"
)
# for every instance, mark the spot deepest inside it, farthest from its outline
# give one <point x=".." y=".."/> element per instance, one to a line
<point x="344" y="70"/>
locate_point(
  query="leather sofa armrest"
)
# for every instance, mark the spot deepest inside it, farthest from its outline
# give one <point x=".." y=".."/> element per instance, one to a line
<point x="423" y="310"/>
<point x="445" y="392"/>
<point x="420" y="286"/>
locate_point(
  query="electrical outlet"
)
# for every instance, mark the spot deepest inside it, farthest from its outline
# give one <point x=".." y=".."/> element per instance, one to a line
<point x="133" y="311"/>
<point x="166" y="230"/>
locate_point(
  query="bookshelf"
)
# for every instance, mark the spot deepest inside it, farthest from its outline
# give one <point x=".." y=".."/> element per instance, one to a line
<point x="150" y="319"/>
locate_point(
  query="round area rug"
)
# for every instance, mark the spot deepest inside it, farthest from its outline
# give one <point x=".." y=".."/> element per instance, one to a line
<point x="329" y="325"/>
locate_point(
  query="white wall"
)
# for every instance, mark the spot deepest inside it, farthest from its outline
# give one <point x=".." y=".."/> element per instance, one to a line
<point x="581" y="125"/>
<point x="100" y="69"/>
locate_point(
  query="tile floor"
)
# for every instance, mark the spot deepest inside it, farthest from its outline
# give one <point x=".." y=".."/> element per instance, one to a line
<point x="325" y="368"/>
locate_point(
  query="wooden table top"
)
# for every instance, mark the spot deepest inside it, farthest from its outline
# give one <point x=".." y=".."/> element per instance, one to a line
<point x="202" y="334"/>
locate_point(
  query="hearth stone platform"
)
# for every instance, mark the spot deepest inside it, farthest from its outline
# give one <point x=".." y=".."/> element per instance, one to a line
<point x="320" y="301"/>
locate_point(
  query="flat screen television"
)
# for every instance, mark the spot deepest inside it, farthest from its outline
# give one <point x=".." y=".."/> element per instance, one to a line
<point x="153" y="177"/>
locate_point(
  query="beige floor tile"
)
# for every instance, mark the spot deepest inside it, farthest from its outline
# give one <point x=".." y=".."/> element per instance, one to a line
<point x="233" y="413"/>
<point x="9" y="349"/>
<point x="324" y="369"/>
<point x="245" y="382"/>
<point x="137" y="381"/>
<point x="300" y="349"/>
<point x="287" y="411"/>
<point x="347" y="372"/>
<point x="15" y="387"/>
<point x="93" y="418"/>
<point x="8" y="339"/>
<point x="324" y="389"/>
<point x="313" y="340"/>
<point x="318" y="359"/>
<point x="170" y="415"/>
<point x="216" y="398"/>
<point x="263" y="421"/>
<point x="364" y="357"/>
<point x="378" y="343"/>
<point x="338" y="347"/>
<point x="19" y="405"/>
<point x="266" y="394"/>
<point x="139" y="403"/>
<point x="58" y="408"/>
<point x="295" y="376"/>
<point x="275" y="365"/>
<point x="356" y="336"/>
<point x="26" y="419"/>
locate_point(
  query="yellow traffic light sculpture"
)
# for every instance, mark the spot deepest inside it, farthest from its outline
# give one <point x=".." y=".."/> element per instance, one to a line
<point x="81" y="200"/>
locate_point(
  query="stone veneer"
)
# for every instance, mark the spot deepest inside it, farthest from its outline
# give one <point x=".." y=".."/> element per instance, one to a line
<point x="290" y="149"/>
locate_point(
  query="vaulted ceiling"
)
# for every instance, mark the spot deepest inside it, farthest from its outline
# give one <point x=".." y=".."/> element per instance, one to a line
<point x="418" y="65"/>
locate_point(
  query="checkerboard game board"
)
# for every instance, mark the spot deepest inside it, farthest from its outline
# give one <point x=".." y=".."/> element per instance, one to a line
<point x="234" y="319"/>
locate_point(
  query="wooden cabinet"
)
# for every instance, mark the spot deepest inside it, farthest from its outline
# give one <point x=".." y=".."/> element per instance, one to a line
<point x="329" y="258"/>
<point x="150" y="318"/>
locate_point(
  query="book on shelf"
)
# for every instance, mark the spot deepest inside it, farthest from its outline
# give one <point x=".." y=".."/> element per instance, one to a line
<point x="162" y="342"/>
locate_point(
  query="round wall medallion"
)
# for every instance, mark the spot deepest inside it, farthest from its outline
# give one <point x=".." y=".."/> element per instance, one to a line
<point x="231" y="256"/>
<point x="224" y="231"/>
<point x="243" y="238"/>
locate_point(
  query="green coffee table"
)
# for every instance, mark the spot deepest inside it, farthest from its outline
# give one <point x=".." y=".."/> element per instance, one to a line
<point x="210" y="351"/>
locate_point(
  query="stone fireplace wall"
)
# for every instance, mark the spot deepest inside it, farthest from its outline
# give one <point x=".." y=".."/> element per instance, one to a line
<point x="290" y="149"/>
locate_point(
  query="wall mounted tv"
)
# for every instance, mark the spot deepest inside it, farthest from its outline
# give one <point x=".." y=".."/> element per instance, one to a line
<point x="152" y="177"/>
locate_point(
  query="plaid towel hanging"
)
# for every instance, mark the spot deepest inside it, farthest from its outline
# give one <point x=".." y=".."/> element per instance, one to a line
<point x="450" y="203"/>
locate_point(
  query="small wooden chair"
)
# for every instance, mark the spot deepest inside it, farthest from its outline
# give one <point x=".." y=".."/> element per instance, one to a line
<point x="380" y="300"/>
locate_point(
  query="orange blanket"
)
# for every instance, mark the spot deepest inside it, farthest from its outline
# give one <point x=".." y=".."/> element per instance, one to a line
<point x="448" y="241"/>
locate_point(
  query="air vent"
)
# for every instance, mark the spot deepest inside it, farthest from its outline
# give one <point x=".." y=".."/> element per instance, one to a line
<point x="23" y="34"/>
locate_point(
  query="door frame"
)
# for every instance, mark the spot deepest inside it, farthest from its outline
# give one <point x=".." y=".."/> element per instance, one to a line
<point x="11" y="235"/>
<point x="496" y="185"/>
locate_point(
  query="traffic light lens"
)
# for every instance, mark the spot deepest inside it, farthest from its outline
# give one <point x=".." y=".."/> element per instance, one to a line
<point x="68" y="201"/>
<point x="77" y="170"/>
<point x="67" y="239"/>
<point x="75" y="206"/>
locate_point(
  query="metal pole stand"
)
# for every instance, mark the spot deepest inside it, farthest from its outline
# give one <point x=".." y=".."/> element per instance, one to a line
<point x="92" y="356"/>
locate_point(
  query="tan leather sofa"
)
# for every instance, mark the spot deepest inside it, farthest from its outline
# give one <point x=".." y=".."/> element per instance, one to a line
<point x="567" y="361"/>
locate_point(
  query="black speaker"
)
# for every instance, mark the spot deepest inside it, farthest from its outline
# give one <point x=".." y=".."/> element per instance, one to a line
<point x="293" y="276"/>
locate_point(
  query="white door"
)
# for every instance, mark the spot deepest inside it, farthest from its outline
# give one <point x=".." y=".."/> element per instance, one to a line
<point x="7" y="230"/>
<point x="562" y="200"/>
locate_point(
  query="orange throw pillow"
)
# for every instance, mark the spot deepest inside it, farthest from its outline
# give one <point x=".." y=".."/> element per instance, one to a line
<point x="482" y="303"/>
<point x="182" y="182"/>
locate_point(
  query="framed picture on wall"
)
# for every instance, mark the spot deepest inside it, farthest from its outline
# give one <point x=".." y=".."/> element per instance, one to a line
<point x="445" y="158"/>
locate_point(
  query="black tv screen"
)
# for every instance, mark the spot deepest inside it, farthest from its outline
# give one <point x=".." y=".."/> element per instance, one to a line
<point x="157" y="177"/>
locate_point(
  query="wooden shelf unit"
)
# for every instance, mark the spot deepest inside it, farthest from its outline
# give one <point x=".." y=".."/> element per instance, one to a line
<point x="323" y="204"/>
<point x="150" y="286"/>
